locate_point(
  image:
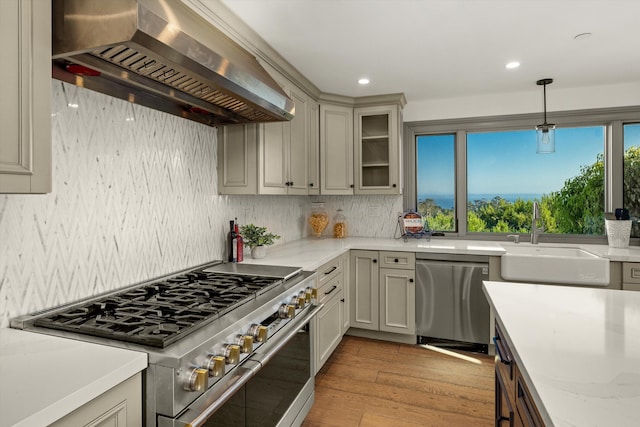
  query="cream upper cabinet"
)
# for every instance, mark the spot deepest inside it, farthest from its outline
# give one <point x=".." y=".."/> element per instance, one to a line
<point x="284" y="149"/>
<point x="25" y="104"/>
<point x="237" y="159"/>
<point x="336" y="149"/>
<point x="377" y="150"/>
<point x="314" y="147"/>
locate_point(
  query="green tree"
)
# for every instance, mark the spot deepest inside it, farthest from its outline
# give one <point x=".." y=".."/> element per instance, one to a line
<point x="578" y="208"/>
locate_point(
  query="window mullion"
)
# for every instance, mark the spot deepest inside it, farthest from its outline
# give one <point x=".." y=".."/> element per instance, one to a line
<point x="461" y="182"/>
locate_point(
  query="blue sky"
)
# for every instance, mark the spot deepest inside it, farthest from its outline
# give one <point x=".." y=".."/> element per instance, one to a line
<point x="507" y="163"/>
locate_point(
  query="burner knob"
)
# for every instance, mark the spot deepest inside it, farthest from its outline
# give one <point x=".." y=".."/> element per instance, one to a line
<point x="196" y="380"/>
<point x="215" y="365"/>
<point x="303" y="296"/>
<point x="297" y="302"/>
<point x="231" y="353"/>
<point x="287" y="311"/>
<point x="312" y="292"/>
<point x="245" y="342"/>
<point x="259" y="332"/>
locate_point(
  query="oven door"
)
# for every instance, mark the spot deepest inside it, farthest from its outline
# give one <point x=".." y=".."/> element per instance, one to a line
<point x="270" y="388"/>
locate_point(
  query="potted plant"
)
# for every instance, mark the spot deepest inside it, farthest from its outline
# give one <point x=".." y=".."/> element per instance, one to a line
<point x="257" y="239"/>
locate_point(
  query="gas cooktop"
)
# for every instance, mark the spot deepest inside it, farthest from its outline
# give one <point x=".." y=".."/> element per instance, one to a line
<point x="160" y="313"/>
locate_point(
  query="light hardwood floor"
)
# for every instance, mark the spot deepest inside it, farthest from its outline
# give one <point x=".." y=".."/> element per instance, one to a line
<point x="370" y="383"/>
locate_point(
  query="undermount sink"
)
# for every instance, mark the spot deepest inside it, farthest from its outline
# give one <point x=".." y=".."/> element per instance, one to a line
<point x="553" y="264"/>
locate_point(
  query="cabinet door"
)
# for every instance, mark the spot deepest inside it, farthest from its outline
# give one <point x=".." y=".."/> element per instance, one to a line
<point x="119" y="406"/>
<point x="397" y="301"/>
<point x="273" y="154"/>
<point x="377" y="148"/>
<point x="237" y="157"/>
<point x="328" y="329"/>
<point x="314" y="148"/>
<point x="336" y="149"/>
<point x="298" y="150"/>
<point x="25" y="104"/>
<point x="504" y="406"/>
<point x="364" y="290"/>
<point x="346" y="299"/>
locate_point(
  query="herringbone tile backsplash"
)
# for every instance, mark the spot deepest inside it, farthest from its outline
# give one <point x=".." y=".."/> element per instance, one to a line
<point x="134" y="197"/>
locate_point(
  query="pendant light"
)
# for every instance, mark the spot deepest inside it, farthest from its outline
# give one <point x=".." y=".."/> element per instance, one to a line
<point x="546" y="132"/>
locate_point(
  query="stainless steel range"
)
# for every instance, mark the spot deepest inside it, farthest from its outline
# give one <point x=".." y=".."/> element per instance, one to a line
<point x="226" y="343"/>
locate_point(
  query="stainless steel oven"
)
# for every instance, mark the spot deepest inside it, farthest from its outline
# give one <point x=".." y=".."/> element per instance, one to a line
<point x="274" y="389"/>
<point x="225" y="342"/>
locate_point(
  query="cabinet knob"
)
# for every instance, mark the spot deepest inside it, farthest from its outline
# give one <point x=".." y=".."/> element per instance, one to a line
<point x="342" y="300"/>
<point x="375" y="261"/>
<point x="291" y="183"/>
<point x="394" y="186"/>
<point x="410" y="280"/>
<point x="396" y="260"/>
<point x="311" y="184"/>
<point x="351" y="186"/>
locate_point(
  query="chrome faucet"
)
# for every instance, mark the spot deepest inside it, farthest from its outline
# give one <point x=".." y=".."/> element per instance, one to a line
<point x="535" y="230"/>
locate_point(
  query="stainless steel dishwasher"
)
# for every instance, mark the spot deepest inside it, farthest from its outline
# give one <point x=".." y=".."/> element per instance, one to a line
<point x="451" y="309"/>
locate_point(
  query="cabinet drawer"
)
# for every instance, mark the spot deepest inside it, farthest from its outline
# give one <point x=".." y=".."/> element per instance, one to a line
<point x="405" y="260"/>
<point x="330" y="270"/>
<point x="330" y="288"/>
<point x="631" y="272"/>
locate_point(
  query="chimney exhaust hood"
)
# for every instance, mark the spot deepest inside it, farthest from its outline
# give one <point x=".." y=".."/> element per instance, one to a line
<point x="163" y="55"/>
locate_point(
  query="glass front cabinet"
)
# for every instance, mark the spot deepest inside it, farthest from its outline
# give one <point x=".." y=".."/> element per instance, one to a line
<point x="377" y="149"/>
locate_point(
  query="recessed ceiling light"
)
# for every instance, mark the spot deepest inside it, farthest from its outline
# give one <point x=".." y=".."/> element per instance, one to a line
<point x="512" y="65"/>
<point x="364" y="81"/>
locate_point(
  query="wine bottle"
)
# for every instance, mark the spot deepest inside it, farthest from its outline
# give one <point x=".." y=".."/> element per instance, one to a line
<point x="232" y="242"/>
<point x="239" y="244"/>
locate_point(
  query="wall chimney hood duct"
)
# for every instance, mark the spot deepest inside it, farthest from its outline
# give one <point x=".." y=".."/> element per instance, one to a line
<point x="163" y="55"/>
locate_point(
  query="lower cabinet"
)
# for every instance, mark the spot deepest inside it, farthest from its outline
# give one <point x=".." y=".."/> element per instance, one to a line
<point x="121" y="406"/>
<point x="514" y="406"/>
<point x="330" y="323"/>
<point x="383" y="291"/>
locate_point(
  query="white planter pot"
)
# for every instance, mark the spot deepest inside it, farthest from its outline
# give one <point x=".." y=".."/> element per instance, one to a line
<point x="258" y="252"/>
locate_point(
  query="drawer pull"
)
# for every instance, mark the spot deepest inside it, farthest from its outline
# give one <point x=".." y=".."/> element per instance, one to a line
<point x="331" y="270"/>
<point x="498" y="349"/>
<point x="333" y="288"/>
<point x="396" y="260"/>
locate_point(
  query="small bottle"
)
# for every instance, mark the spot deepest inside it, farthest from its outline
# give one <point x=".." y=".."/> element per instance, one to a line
<point x="232" y="242"/>
<point x="339" y="225"/>
<point x="239" y="244"/>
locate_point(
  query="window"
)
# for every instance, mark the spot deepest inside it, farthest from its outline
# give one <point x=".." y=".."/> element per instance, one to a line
<point x="436" y="177"/>
<point x="505" y="176"/>
<point x="479" y="177"/>
<point x="631" y="179"/>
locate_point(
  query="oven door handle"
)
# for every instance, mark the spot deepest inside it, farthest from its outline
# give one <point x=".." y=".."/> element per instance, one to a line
<point x="202" y="416"/>
<point x="264" y="358"/>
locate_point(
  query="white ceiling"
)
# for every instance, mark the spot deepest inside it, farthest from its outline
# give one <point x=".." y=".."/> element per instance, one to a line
<point x="450" y="48"/>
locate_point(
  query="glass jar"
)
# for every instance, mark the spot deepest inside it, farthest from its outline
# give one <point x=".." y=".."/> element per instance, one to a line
<point x="319" y="219"/>
<point x="339" y="225"/>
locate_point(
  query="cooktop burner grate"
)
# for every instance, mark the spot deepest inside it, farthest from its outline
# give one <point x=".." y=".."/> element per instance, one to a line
<point x="160" y="313"/>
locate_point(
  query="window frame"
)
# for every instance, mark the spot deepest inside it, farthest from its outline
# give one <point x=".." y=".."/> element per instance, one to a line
<point x="613" y="119"/>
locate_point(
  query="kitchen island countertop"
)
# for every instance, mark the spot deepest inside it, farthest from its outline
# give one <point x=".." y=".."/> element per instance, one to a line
<point x="577" y="348"/>
<point x="45" y="378"/>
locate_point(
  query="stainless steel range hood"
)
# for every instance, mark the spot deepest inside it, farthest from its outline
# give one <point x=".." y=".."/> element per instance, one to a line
<point x="161" y="54"/>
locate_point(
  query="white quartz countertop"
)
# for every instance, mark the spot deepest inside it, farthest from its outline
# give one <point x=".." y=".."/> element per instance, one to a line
<point x="43" y="378"/>
<point x="311" y="253"/>
<point x="578" y="349"/>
